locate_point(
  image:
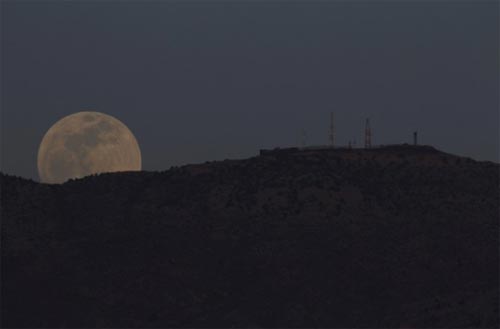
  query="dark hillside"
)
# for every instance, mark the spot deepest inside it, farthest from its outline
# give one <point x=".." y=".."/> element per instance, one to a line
<point x="399" y="236"/>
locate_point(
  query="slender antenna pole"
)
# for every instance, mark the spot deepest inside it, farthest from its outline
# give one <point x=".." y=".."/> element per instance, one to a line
<point x="368" y="134"/>
<point x="304" y="138"/>
<point x="332" y="131"/>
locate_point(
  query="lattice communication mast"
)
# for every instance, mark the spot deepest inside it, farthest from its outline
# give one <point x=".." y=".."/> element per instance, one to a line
<point x="368" y="134"/>
<point x="304" y="138"/>
<point x="332" y="131"/>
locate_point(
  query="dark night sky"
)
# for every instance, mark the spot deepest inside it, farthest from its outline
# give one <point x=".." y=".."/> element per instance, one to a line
<point x="199" y="81"/>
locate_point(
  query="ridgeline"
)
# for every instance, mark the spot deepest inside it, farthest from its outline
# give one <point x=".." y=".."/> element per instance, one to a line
<point x="401" y="236"/>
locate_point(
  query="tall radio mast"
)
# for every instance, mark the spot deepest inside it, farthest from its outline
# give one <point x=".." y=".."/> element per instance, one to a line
<point x="368" y="134"/>
<point x="332" y="131"/>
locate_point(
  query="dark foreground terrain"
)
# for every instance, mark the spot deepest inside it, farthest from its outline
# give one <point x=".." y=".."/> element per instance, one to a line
<point x="393" y="237"/>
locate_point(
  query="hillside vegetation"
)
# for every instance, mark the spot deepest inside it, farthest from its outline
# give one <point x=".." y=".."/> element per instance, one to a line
<point x="393" y="237"/>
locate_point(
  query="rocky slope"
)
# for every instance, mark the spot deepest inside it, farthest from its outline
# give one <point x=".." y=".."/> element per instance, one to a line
<point x="393" y="237"/>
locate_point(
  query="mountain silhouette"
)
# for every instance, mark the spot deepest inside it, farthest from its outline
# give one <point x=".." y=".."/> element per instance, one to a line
<point x="398" y="236"/>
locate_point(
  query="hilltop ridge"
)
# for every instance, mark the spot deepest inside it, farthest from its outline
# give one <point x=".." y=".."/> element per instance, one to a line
<point x="421" y="154"/>
<point x="398" y="236"/>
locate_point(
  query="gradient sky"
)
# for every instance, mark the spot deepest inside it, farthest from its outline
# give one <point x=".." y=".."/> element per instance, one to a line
<point x="202" y="81"/>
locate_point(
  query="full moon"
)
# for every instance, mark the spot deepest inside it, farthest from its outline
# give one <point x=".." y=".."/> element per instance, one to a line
<point x="86" y="143"/>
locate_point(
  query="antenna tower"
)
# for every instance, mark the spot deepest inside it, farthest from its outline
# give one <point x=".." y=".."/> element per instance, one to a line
<point x="332" y="131"/>
<point x="304" y="138"/>
<point x="368" y="134"/>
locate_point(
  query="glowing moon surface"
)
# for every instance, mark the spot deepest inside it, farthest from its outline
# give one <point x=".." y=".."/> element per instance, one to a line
<point x="86" y="143"/>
